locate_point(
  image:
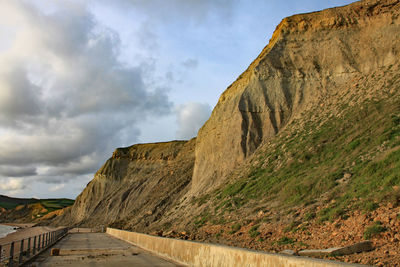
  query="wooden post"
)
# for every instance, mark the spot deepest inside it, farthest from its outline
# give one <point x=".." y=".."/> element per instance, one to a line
<point x="28" y="254"/>
<point x="21" y="252"/>
<point x="39" y="242"/>
<point x="11" y="259"/>
<point x="34" y="245"/>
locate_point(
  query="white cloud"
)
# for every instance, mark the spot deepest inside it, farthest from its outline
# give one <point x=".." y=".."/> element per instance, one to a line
<point x="12" y="184"/>
<point x="56" y="187"/>
<point x="66" y="101"/>
<point x="190" y="118"/>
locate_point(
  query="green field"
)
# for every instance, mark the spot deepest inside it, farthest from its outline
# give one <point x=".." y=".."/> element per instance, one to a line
<point x="50" y="204"/>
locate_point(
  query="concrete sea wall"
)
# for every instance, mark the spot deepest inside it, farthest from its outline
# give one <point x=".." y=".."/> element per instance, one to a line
<point x="201" y="254"/>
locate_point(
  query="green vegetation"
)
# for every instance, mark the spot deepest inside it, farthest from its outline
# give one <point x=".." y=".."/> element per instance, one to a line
<point x="292" y="227"/>
<point x="285" y="241"/>
<point x="309" y="216"/>
<point x="9" y="206"/>
<point x="201" y="220"/>
<point x="330" y="213"/>
<point x="373" y="230"/>
<point x="56" y="204"/>
<point x="234" y="228"/>
<point x="348" y="161"/>
<point x="253" y="232"/>
<point x="50" y="204"/>
<point x="370" y="206"/>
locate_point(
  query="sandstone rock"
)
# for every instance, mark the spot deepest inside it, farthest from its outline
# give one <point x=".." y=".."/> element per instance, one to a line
<point x="356" y="248"/>
<point x="135" y="183"/>
<point x="308" y="57"/>
<point x="288" y="252"/>
<point x="317" y="252"/>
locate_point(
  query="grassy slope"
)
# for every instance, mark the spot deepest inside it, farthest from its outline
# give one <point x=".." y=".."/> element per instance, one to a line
<point x="49" y="204"/>
<point x="349" y="159"/>
<point x="56" y="203"/>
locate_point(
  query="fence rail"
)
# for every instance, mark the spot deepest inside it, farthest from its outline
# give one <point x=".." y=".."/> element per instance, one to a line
<point x="17" y="252"/>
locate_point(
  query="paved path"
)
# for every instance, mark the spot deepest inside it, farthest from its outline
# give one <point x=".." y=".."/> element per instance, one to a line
<point x="98" y="249"/>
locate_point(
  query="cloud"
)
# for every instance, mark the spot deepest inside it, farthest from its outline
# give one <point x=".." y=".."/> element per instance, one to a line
<point x="13" y="185"/>
<point x="56" y="187"/>
<point x="66" y="101"/>
<point x="17" y="95"/>
<point x="20" y="171"/>
<point x="190" y="118"/>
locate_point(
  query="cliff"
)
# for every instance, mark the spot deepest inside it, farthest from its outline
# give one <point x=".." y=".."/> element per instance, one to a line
<point x="135" y="187"/>
<point x="301" y="151"/>
<point x="308" y="58"/>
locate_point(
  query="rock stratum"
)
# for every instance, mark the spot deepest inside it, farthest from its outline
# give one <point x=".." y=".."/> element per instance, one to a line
<point x="308" y="134"/>
<point x="135" y="186"/>
<point x="308" y="58"/>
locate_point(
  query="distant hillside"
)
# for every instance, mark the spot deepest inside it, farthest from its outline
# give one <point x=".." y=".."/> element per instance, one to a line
<point x="11" y="202"/>
<point x="30" y="209"/>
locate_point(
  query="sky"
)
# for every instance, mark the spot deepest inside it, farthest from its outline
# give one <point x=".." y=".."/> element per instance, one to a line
<point x="79" y="78"/>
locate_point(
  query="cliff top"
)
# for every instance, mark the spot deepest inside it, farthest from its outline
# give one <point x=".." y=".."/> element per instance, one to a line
<point x="353" y="15"/>
<point x="155" y="151"/>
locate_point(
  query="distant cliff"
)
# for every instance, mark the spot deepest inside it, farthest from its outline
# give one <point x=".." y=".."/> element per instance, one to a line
<point x="135" y="187"/>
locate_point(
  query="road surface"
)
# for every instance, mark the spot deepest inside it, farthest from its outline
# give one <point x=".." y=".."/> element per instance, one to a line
<point x="98" y="249"/>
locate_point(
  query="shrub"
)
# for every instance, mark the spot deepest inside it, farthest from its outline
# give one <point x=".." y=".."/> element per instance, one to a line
<point x="309" y="216"/>
<point x="373" y="230"/>
<point x="292" y="227"/>
<point x="330" y="213"/>
<point x="285" y="241"/>
<point x="236" y="227"/>
<point x="253" y="231"/>
<point x="371" y="206"/>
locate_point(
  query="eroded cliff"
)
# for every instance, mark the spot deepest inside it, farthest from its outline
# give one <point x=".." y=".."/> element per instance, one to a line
<point x="304" y="143"/>
<point x="135" y="187"/>
<point x="308" y="57"/>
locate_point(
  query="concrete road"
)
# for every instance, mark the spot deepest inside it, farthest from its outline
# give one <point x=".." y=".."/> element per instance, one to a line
<point x="98" y="249"/>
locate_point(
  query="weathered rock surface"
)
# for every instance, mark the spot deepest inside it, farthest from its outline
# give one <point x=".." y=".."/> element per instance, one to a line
<point x="308" y="57"/>
<point x="356" y="248"/>
<point x="135" y="187"/>
<point x="288" y="252"/>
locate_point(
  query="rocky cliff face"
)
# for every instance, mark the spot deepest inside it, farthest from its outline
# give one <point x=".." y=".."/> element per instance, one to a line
<point x="308" y="57"/>
<point x="135" y="187"/>
<point x="316" y="63"/>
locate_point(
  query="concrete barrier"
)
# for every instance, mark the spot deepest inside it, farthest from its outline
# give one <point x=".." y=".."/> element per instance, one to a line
<point x="201" y="254"/>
